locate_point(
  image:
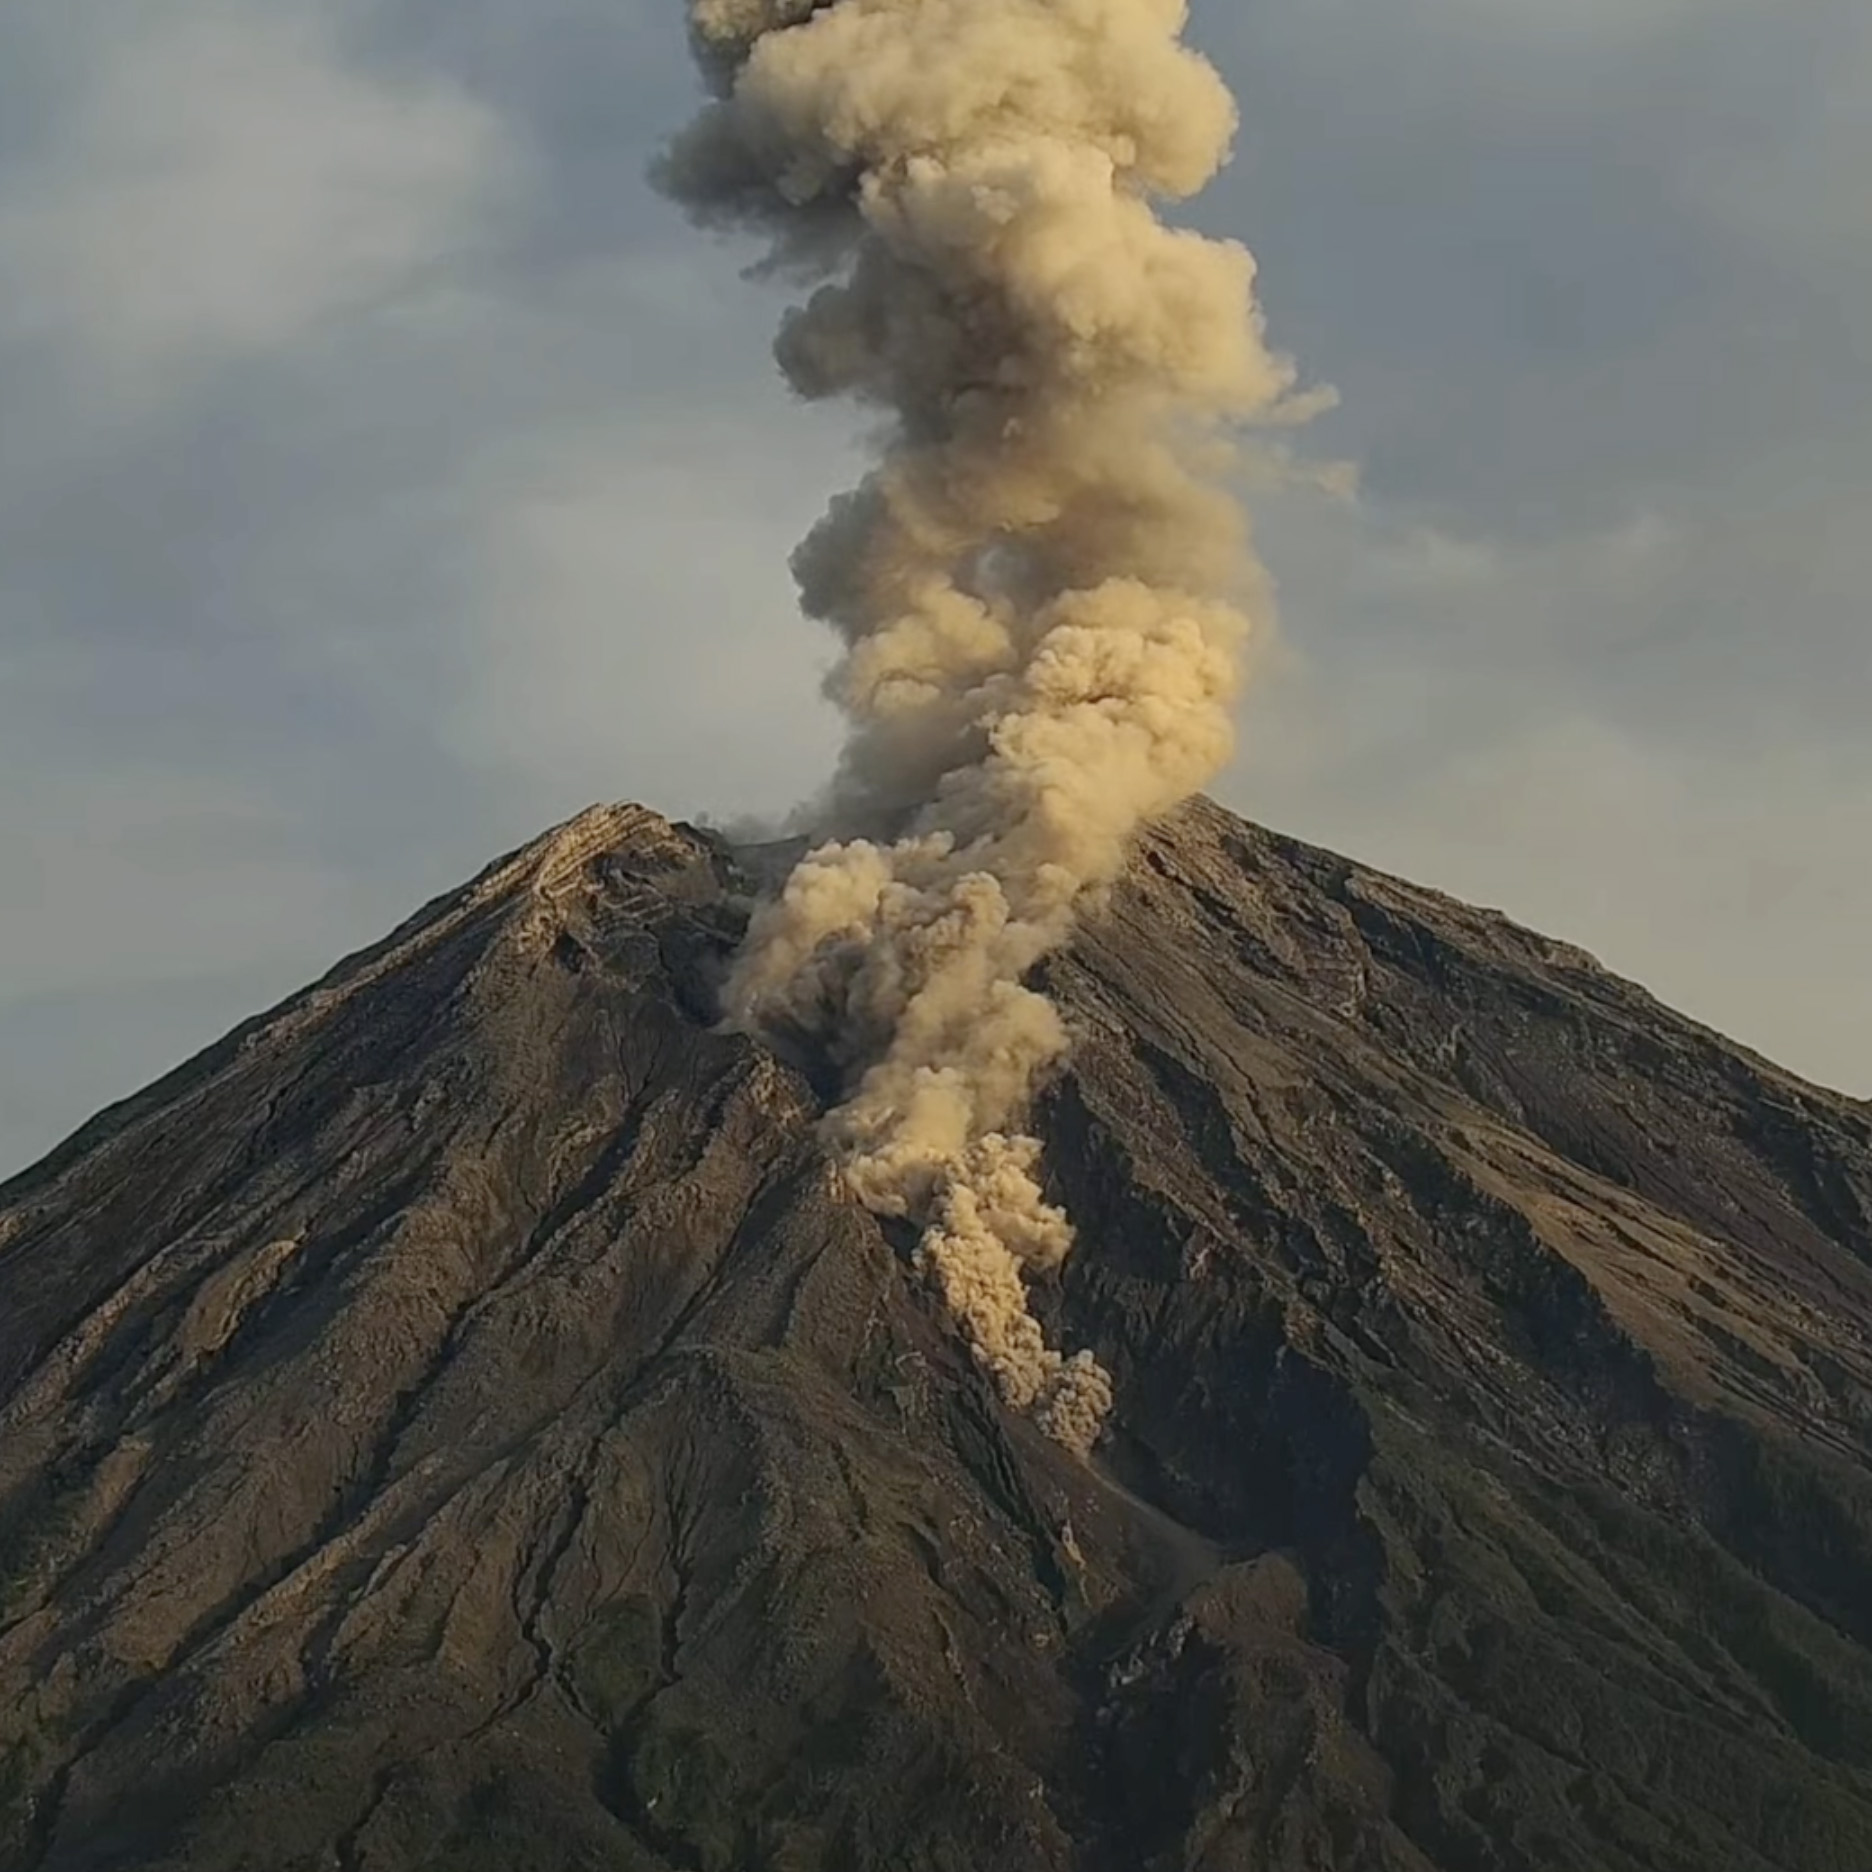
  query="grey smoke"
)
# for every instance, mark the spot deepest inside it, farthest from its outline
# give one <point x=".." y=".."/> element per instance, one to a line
<point x="1045" y="589"/>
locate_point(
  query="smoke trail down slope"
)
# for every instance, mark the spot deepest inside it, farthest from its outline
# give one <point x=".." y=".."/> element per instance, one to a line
<point x="1043" y="589"/>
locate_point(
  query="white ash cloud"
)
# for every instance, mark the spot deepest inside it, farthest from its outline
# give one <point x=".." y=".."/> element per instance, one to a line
<point x="1044" y="589"/>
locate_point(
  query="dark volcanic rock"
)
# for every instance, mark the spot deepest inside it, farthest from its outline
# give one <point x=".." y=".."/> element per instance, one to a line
<point x="460" y="1421"/>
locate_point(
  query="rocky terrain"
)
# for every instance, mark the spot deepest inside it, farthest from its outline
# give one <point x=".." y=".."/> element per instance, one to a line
<point x="460" y="1420"/>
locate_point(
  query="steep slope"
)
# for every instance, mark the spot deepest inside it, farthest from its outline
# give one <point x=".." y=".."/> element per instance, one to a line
<point x="461" y="1420"/>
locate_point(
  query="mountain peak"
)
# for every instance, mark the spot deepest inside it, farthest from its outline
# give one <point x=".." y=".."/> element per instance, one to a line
<point x="462" y="1419"/>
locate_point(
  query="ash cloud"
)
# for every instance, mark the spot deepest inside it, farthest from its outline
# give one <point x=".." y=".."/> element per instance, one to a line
<point x="1044" y="590"/>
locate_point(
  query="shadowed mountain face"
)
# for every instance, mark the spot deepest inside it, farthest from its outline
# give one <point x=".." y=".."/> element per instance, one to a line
<point x="461" y="1421"/>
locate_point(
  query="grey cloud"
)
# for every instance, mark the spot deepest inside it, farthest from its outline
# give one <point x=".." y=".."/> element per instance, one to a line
<point x="220" y="182"/>
<point x="1542" y="287"/>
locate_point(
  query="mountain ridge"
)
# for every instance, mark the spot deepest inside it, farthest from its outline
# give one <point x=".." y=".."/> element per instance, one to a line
<point x="462" y="1419"/>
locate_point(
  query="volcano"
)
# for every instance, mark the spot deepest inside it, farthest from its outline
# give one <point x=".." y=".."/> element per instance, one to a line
<point x="462" y="1419"/>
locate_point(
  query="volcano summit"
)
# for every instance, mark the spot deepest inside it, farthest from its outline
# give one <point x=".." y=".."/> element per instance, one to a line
<point x="467" y="1419"/>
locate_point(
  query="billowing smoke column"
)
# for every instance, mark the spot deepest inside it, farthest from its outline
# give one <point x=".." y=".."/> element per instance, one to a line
<point x="1043" y="590"/>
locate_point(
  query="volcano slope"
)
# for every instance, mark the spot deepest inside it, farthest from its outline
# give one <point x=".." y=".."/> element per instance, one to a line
<point x="460" y="1420"/>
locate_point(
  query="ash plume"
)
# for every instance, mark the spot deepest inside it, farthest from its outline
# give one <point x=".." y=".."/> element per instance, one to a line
<point x="1044" y="589"/>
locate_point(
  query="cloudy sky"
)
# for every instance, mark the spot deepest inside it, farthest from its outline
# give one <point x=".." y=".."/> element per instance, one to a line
<point x="385" y="473"/>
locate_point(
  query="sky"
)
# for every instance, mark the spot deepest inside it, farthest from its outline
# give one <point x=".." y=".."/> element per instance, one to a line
<point x="387" y="473"/>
